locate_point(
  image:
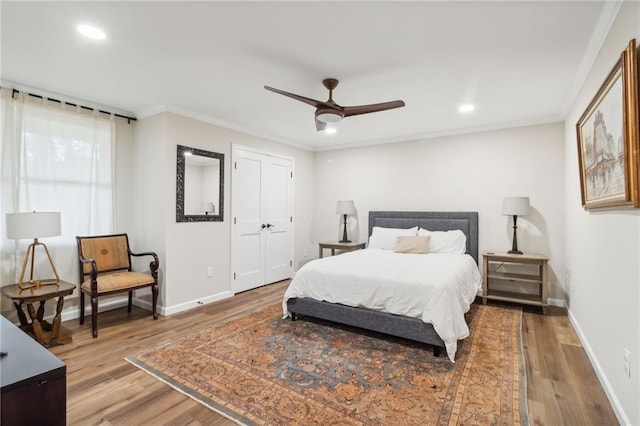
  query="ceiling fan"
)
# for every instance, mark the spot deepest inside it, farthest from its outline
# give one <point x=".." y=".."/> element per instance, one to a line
<point x="330" y="112"/>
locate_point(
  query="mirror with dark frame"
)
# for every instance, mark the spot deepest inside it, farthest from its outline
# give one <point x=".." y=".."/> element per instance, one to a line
<point x="199" y="185"/>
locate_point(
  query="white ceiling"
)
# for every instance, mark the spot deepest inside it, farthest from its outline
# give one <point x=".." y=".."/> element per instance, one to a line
<point x="519" y="62"/>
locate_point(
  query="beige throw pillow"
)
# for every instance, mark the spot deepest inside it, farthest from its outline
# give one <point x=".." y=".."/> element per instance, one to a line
<point x="418" y="245"/>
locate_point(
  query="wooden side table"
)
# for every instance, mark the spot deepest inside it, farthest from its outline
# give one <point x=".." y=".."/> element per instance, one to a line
<point x="337" y="245"/>
<point x="538" y="280"/>
<point x="43" y="332"/>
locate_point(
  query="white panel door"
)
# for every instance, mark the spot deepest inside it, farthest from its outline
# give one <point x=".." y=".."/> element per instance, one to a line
<point x="262" y="219"/>
<point x="248" y="235"/>
<point x="277" y="201"/>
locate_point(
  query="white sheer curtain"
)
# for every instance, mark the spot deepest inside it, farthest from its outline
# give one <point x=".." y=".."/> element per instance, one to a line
<point x="54" y="158"/>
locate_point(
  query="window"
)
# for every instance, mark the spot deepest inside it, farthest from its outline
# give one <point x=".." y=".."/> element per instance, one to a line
<point x="56" y="159"/>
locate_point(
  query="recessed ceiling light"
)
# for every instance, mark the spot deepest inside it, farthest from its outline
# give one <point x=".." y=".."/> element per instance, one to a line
<point x="91" y="32"/>
<point x="466" y="108"/>
<point x="330" y="130"/>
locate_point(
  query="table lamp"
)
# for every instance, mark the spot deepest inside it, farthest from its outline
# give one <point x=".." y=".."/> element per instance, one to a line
<point x="345" y="208"/>
<point x="207" y="208"/>
<point x="515" y="206"/>
<point x="34" y="225"/>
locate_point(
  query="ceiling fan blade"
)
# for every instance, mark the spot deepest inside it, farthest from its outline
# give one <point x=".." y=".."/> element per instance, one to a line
<point x="309" y="101"/>
<point x="366" y="109"/>
<point x="320" y="126"/>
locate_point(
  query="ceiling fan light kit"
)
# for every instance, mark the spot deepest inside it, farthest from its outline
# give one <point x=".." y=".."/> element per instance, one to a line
<point x="328" y="116"/>
<point x="331" y="112"/>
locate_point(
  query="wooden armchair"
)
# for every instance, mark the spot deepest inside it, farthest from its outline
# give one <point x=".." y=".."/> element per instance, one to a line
<point x="106" y="260"/>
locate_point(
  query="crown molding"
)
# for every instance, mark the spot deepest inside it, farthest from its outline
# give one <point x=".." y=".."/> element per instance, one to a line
<point x="157" y="109"/>
<point x="141" y="114"/>
<point x="446" y="133"/>
<point x="607" y="17"/>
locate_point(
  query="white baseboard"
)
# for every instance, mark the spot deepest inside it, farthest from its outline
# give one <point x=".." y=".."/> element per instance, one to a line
<point x="557" y="302"/>
<point x="73" y="312"/>
<point x="608" y="390"/>
<point x="170" y="310"/>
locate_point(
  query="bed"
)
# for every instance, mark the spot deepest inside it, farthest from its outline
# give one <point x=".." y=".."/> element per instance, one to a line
<point x="296" y="302"/>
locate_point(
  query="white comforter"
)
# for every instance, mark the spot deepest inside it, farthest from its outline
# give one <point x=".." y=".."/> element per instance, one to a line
<point x="437" y="288"/>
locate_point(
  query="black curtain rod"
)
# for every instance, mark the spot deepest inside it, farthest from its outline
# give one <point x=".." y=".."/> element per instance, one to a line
<point x="73" y="105"/>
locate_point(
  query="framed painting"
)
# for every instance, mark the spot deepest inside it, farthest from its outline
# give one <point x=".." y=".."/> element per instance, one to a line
<point x="608" y="143"/>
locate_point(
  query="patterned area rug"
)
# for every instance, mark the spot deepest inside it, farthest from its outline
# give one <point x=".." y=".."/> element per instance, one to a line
<point x="263" y="370"/>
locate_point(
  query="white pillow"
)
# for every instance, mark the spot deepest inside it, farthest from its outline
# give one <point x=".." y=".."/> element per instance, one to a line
<point x="386" y="238"/>
<point x="453" y="242"/>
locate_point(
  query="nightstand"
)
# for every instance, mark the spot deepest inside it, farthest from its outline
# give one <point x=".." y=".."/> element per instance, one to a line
<point x="504" y="273"/>
<point x="336" y="245"/>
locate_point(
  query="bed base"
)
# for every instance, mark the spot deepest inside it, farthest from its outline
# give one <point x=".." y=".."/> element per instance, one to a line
<point x="382" y="322"/>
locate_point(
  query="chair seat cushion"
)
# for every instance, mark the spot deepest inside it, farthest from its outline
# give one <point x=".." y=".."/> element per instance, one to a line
<point x="119" y="281"/>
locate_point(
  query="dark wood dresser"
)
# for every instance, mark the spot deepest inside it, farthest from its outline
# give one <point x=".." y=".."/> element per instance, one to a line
<point x="33" y="380"/>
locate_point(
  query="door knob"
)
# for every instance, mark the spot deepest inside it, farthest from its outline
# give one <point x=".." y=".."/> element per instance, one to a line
<point x="263" y="226"/>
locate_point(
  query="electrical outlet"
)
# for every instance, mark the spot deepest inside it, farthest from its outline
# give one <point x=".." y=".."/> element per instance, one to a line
<point x="210" y="272"/>
<point x="306" y="253"/>
<point x="627" y="362"/>
<point x="569" y="284"/>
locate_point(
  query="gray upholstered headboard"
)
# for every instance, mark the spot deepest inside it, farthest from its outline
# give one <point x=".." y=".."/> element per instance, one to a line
<point x="467" y="222"/>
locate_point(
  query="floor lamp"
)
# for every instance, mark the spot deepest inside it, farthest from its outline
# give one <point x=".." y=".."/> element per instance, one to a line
<point x="515" y="206"/>
<point x="345" y="208"/>
<point x="34" y="225"/>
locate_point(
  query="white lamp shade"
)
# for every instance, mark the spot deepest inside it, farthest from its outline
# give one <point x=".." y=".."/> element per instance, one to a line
<point x="518" y="206"/>
<point x="33" y="225"/>
<point x="346" y="207"/>
<point x="207" y="207"/>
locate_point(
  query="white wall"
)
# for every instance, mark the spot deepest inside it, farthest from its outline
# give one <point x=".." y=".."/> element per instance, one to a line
<point x="468" y="173"/>
<point x="603" y="251"/>
<point x="150" y="204"/>
<point x="190" y="248"/>
<point x="193" y="247"/>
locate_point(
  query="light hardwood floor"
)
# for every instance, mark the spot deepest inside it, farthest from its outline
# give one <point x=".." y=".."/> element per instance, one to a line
<point x="104" y="389"/>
